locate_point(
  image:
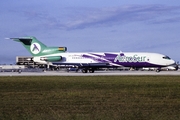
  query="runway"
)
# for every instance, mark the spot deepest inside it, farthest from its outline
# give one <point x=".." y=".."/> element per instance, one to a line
<point x="96" y="73"/>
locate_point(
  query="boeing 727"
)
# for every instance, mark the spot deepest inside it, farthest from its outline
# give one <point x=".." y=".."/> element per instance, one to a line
<point x="93" y="60"/>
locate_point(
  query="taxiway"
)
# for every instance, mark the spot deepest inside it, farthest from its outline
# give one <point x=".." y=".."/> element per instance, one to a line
<point x="97" y="73"/>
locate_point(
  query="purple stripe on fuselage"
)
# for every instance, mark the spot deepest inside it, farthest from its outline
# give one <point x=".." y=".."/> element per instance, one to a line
<point x="98" y="59"/>
<point x="105" y="57"/>
<point x="111" y="57"/>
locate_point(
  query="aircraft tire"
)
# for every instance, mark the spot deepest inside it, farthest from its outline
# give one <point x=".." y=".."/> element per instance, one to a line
<point x="19" y="71"/>
<point x="91" y="70"/>
<point x="158" y="70"/>
<point x="84" y="70"/>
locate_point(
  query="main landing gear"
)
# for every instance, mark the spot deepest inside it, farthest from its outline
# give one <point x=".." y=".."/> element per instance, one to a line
<point x="158" y="70"/>
<point x="86" y="70"/>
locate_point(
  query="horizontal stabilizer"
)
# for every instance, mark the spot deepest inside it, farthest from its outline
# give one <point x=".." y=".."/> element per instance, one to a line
<point x="25" y="41"/>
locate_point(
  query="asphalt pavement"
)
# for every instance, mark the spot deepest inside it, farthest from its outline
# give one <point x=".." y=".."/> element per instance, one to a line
<point x="96" y="73"/>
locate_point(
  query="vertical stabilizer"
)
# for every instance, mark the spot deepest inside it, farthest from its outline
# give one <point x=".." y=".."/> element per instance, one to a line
<point x="37" y="48"/>
<point x="34" y="46"/>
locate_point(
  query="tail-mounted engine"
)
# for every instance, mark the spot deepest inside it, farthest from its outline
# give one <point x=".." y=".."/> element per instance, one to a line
<point x="44" y="60"/>
<point x="53" y="50"/>
<point x="49" y="51"/>
<point x="51" y="58"/>
<point x="64" y="49"/>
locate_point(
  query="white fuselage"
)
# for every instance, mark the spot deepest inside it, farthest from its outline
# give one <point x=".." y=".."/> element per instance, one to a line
<point x="127" y="59"/>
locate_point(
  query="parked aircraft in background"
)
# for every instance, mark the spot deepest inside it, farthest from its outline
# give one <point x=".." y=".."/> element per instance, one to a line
<point x="92" y="61"/>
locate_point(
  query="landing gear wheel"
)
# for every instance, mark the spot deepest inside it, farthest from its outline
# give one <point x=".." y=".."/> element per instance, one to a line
<point x="19" y="71"/>
<point x="84" y="70"/>
<point x="91" y="71"/>
<point x="158" y="70"/>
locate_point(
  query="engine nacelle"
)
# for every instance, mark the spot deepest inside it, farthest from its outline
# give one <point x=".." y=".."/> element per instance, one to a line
<point x="64" y="49"/>
<point x="51" y="58"/>
<point x="53" y="50"/>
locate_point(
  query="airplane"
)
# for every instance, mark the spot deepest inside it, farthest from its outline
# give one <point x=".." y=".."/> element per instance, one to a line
<point x="91" y="61"/>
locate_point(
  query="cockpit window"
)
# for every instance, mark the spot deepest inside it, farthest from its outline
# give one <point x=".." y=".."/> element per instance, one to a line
<point x="166" y="57"/>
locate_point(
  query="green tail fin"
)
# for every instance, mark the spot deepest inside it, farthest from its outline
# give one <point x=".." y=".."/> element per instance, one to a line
<point x="34" y="46"/>
<point x="37" y="48"/>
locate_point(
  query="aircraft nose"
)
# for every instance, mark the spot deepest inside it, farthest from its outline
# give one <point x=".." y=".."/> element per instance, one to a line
<point x="173" y="62"/>
<point x="170" y="62"/>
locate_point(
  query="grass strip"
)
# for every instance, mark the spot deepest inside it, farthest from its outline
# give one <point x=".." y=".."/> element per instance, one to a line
<point x="90" y="97"/>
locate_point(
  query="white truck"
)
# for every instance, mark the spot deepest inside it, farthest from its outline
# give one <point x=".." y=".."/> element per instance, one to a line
<point x="11" y="68"/>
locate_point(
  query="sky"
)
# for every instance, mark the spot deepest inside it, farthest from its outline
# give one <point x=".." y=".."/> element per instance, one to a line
<point x="91" y="26"/>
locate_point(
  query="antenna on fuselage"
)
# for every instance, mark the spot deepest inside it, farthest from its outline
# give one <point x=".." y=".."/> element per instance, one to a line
<point x="121" y="53"/>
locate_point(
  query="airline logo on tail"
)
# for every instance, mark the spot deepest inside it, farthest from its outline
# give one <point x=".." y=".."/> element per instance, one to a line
<point x="35" y="48"/>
